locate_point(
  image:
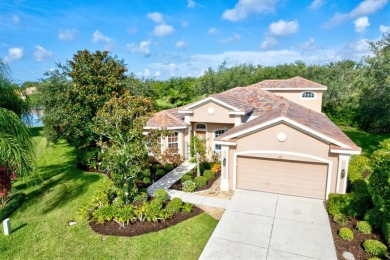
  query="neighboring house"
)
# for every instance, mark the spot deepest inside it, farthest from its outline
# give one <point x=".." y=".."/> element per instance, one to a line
<point x="271" y="137"/>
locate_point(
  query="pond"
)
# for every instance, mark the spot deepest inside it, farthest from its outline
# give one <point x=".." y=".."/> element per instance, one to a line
<point x="33" y="118"/>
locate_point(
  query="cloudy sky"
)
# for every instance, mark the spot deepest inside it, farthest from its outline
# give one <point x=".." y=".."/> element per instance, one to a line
<point x="165" y="38"/>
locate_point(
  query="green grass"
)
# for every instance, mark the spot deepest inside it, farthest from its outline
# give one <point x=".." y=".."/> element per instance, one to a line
<point x="54" y="194"/>
<point x="369" y="142"/>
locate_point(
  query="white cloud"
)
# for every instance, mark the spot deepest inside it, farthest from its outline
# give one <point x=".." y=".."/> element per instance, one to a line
<point x="157" y="74"/>
<point x="384" y="28"/>
<point x="283" y="28"/>
<point x="145" y="74"/>
<point x="67" y="35"/>
<point x="156" y="17"/>
<point x="191" y="4"/>
<point x="98" y="36"/>
<point x="244" y="7"/>
<point x="234" y="37"/>
<point x="14" y="54"/>
<point x="41" y="54"/>
<point x="356" y="50"/>
<point x="143" y="47"/>
<point x="213" y="31"/>
<point x="365" y="8"/>
<point x="181" y="44"/>
<point x="316" y="4"/>
<point x="361" y="24"/>
<point x="163" y="30"/>
<point x="307" y="45"/>
<point x="268" y="43"/>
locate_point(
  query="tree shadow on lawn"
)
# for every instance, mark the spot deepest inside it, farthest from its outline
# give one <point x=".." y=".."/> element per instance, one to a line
<point x="367" y="141"/>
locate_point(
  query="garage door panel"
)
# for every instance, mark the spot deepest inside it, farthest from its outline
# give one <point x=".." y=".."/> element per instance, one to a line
<point x="279" y="176"/>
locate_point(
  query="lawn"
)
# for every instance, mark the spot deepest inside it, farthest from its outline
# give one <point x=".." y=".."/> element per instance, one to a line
<point x="54" y="194"/>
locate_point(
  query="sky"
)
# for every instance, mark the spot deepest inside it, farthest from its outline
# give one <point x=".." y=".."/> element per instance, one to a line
<point x="179" y="38"/>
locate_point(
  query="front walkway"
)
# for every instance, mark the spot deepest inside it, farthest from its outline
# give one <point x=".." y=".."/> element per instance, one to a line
<point x="173" y="176"/>
<point x="259" y="225"/>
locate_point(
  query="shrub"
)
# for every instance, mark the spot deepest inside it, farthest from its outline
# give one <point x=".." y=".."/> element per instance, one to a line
<point x="374" y="258"/>
<point x="125" y="214"/>
<point x="209" y="174"/>
<point x="141" y="197"/>
<point x="146" y="180"/>
<point x="187" y="207"/>
<point x="363" y="227"/>
<point x="361" y="199"/>
<point x="186" y="177"/>
<point x="189" y="186"/>
<point x="168" y="167"/>
<point x="200" y="181"/>
<point x="87" y="157"/>
<point x="375" y="248"/>
<point x="156" y="166"/>
<point x="104" y="213"/>
<point x="339" y="203"/>
<point x="174" y="205"/>
<point x="346" y="233"/>
<point x="204" y="166"/>
<point x="147" y="172"/>
<point x="357" y="166"/>
<point x="379" y="186"/>
<point x="386" y="231"/>
<point x="15" y="202"/>
<point x="374" y="217"/>
<point x="161" y="194"/>
<point x="340" y="219"/>
<point x="153" y="210"/>
<point x="160" y="172"/>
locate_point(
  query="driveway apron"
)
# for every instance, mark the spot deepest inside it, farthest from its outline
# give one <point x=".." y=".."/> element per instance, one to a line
<point x="259" y="225"/>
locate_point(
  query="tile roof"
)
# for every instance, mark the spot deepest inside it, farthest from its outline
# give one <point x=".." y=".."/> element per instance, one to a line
<point x="295" y="82"/>
<point x="167" y="118"/>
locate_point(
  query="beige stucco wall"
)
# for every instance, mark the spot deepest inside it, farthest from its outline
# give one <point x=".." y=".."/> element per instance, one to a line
<point x="220" y="115"/>
<point x="296" y="141"/>
<point x="314" y="104"/>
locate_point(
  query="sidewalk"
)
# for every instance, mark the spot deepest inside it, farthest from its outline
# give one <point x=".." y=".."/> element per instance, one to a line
<point x="173" y="176"/>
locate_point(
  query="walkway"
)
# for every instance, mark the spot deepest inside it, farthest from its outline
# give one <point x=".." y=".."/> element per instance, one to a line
<point x="194" y="198"/>
<point x="259" y="225"/>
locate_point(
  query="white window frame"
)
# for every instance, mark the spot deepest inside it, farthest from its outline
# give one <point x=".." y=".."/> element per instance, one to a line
<point x="313" y="97"/>
<point x="215" y="136"/>
<point x="177" y="134"/>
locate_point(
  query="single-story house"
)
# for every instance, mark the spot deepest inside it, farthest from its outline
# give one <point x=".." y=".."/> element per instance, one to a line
<point x="271" y="136"/>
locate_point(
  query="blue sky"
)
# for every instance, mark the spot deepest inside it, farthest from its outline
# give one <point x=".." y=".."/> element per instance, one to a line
<point x="172" y="38"/>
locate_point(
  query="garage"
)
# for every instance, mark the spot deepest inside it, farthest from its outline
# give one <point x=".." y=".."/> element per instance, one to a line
<point x="298" y="178"/>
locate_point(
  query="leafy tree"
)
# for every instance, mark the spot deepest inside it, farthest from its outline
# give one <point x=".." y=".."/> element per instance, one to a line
<point x="374" y="110"/>
<point x="72" y="95"/>
<point x="120" y="124"/>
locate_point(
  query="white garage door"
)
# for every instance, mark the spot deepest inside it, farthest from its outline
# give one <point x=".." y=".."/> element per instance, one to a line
<point x="297" y="178"/>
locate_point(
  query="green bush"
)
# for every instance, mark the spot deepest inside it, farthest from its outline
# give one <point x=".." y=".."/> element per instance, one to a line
<point x="168" y="167"/>
<point x="386" y="231"/>
<point x="187" y="207"/>
<point x="189" y="186"/>
<point x="374" y="258"/>
<point x="186" y="177"/>
<point x="125" y="214"/>
<point x="15" y="202"/>
<point x="357" y="166"/>
<point x="339" y="203"/>
<point x="200" y="181"/>
<point x="161" y="194"/>
<point x="153" y="210"/>
<point x="374" y="217"/>
<point x="340" y="219"/>
<point x="375" y="248"/>
<point x="156" y="166"/>
<point x="87" y="157"/>
<point x="141" y="197"/>
<point x="160" y="172"/>
<point x="204" y="166"/>
<point x="363" y="227"/>
<point x="379" y="186"/>
<point x="174" y="205"/>
<point x="361" y="199"/>
<point x="209" y="174"/>
<point x="346" y="233"/>
<point x="147" y="172"/>
<point x="104" y="213"/>
<point x="146" y="180"/>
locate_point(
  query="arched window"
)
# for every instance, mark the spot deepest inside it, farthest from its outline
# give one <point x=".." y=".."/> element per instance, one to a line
<point x="201" y="127"/>
<point x="217" y="133"/>
<point x="308" y="95"/>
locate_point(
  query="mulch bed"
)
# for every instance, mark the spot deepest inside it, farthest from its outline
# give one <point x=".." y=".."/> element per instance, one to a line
<point x="139" y="228"/>
<point x="355" y="246"/>
<point x="177" y="185"/>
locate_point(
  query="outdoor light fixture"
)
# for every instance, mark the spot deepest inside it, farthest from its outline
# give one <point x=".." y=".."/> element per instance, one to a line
<point x="224" y="161"/>
<point x="342" y="173"/>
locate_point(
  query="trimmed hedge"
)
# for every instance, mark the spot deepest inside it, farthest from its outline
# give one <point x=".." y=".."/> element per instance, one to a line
<point x="169" y="167"/>
<point x="174" y="206"/>
<point x="363" y="227"/>
<point x="200" y="181"/>
<point x="186" y="177"/>
<point x="189" y="186"/>
<point x="346" y="233"/>
<point x="161" y="194"/>
<point x="375" y="248"/>
<point x="209" y="174"/>
<point x="15" y="202"/>
<point x="160" y="172"/>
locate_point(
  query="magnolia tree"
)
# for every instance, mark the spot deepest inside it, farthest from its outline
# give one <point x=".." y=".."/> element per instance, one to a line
<point x="120" y="126"/>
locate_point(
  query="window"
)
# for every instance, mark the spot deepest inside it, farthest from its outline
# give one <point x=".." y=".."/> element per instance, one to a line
<point x="201" y="127"/>
<point x="217" y="133"/>
<point x="173" y="140"/>
<point x="308" y="95"/>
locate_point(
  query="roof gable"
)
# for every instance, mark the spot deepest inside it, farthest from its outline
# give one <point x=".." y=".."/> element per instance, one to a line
<point x="295" y="83"/>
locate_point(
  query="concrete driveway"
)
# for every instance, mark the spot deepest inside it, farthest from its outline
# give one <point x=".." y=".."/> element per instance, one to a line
<point x="259" y="225"/>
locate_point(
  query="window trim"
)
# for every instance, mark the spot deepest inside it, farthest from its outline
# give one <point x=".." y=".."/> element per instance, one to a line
<point x="176" y="133"/>
<point x="200" y="129"/>
<point x="214" y="136"/>
<point x="312" y="92"/>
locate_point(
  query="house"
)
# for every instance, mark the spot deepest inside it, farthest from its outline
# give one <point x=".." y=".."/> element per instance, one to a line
<point x="271" y="136"/>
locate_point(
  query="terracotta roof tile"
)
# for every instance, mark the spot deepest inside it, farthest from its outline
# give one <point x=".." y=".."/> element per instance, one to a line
<point x="167" y="118"/>
<point x="295" y="82"/>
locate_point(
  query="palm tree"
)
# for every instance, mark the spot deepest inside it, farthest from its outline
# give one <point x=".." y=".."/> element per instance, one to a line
<point x="15" y="140"/>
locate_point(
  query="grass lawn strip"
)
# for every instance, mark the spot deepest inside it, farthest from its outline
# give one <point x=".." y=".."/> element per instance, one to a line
<point x="55" y="193"/>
